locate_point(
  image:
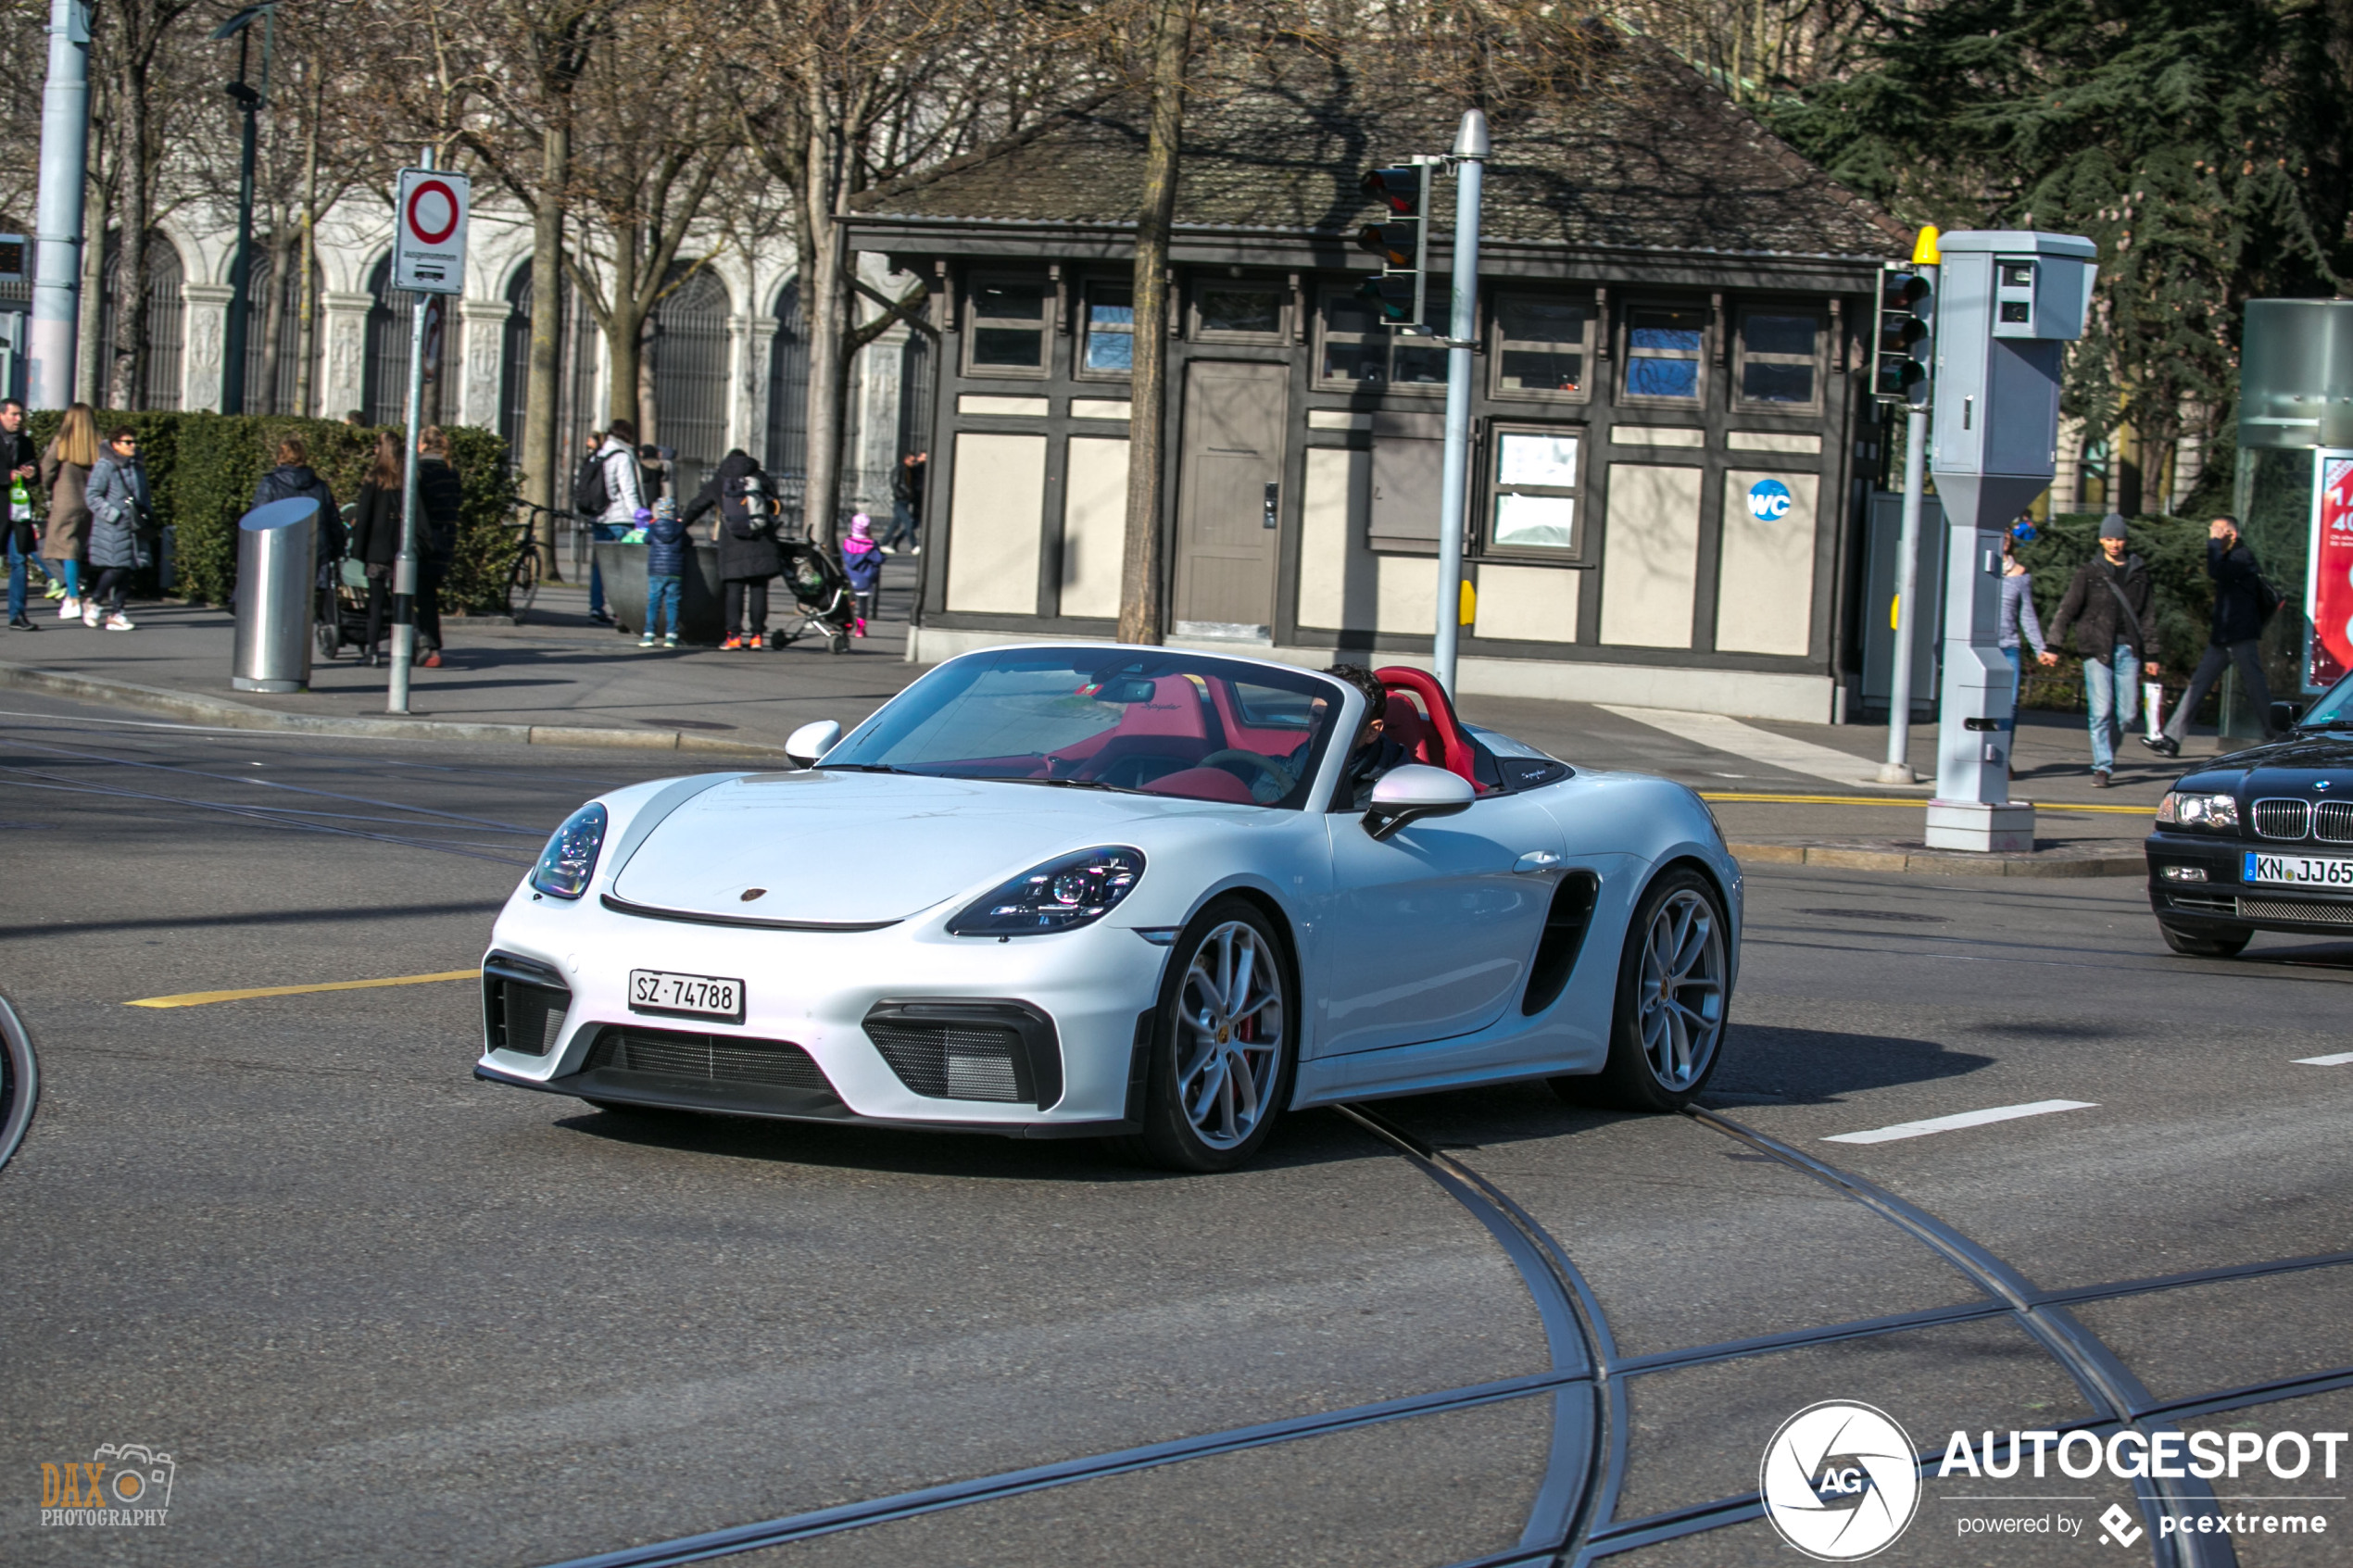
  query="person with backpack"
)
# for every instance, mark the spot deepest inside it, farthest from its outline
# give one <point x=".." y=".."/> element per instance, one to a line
<point x="2243" y="600"/>
<point x="607" y="494"/>
<point x="665" y="570"/>
<point x="2108" y="603"/>
<point x="750" y="554"/>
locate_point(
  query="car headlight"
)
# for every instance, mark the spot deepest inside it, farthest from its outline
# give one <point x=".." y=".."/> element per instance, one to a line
<point x="2187" y="809"/>
<point x="1063" y="893"/>
<point x="570" y="859"/>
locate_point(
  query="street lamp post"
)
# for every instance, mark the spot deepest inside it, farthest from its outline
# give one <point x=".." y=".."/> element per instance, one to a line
<point x="249" y="103"/>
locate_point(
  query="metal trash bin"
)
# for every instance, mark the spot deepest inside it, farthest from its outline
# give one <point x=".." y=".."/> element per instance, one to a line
<point x="277" y="566"/>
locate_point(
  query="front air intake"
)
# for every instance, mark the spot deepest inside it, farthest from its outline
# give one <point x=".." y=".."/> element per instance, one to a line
<point x="713" y="1058"/>
<point x="524" y="1003"/>
<point x="976" y="1051"/>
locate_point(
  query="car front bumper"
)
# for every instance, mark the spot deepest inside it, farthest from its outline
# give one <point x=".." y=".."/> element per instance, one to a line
<point x="2221" y="902"/>
<point x="819" y="1007"/>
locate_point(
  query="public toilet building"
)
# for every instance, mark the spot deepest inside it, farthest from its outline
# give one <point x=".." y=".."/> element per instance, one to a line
<point x="1672" y="441"/>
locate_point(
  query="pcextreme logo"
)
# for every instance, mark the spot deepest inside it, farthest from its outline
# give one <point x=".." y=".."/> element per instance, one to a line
<point x="1839" y="1481"/>
<point x="121" y="1484"/>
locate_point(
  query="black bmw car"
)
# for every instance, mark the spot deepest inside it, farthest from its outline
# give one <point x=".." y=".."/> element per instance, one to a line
<point x="2260" y="840"/>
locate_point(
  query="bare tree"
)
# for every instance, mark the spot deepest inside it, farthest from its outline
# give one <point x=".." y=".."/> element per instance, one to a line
<point x="1141" y="579"/>
<point x="144" y="91"/>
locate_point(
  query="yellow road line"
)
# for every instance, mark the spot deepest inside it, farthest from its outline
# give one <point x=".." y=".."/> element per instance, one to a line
<point x="199" y="999"/>
<point x="1916" y="800"/>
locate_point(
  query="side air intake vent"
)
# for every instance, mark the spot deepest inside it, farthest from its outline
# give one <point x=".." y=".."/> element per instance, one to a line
<point x="1564" y="938"/>
<point x="981" y="1050"/>
<point x="524" y="1003"/>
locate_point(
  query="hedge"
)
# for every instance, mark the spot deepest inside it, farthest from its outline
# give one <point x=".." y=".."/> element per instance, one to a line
<point x="202" y="469"/>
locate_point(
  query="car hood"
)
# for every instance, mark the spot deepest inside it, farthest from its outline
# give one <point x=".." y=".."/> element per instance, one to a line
<point x="862" y="849"/>
<point x="2293" y="766"/>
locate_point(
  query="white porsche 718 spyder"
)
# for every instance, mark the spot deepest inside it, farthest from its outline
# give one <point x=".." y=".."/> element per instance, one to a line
<point x="1096" y="890"/>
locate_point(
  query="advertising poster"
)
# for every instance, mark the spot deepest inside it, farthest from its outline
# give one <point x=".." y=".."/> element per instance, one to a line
<point x="2328" y="590"/>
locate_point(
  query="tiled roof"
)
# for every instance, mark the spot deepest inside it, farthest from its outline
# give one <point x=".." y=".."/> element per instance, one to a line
<point x="1652" y="158"/>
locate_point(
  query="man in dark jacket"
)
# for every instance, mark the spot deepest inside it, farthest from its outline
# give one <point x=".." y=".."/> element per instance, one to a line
<point x="2109" y="606"/>
<point x="749" y="554"/>
<point x="21" y="465"/>
<point x="2238" y="621"/>
<point x="293" y="476"/>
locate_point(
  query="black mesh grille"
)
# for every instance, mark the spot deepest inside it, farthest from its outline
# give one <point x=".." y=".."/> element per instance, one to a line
<point x="718" y="1058"/>
<point x="2333" y="822"/>
<point x="2204" y="903"/>
<point x="534" y="1017"/>
<point x="2294" y="909"/>
<point x="950" y="1060"/>
<point x="2282" y="819"/>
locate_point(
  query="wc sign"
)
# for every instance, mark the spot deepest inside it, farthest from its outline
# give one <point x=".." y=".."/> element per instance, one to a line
<point x="429" y="231"/>
<point x="1769" y="500"/>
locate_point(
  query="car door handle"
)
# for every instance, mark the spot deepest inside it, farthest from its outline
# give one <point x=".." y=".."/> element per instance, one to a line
<point x="1536" y="860"/>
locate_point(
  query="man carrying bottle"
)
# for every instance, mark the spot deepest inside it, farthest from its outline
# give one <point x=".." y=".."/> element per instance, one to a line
<point x="17" y="457"/>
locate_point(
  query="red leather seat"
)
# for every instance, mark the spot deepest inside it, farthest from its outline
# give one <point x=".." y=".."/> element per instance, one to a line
<point x="1417" y="692"/>
<point x="1202" y="784"/>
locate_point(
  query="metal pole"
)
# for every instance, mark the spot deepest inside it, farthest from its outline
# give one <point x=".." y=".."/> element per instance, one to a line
<point x="1898" y="768"/>
<point x="404" y="566"/>
<point x="232" y="351"/>
<point x="65" y="147"/>
<point x="1470" y="151"/>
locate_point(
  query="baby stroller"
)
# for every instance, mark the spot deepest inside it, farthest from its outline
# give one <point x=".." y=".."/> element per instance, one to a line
<point x="343" y="599"/>
<point x="822" y="600"/>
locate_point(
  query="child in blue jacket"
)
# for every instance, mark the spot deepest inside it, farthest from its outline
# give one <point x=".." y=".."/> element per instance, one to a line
<point x="862" y="562"/>
<point x="665" y="568"/>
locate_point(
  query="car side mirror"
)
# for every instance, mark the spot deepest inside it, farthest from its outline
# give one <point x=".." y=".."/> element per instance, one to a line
<point x="2284" y="715"/>
<point x="1408" y="794"/>
<point x="810" y="742"/>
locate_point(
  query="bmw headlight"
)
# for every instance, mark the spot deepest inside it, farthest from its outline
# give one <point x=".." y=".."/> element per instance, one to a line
<point x="2187" y="808"/>
<point x="1065" y="893"/>
<point x="570" y="859"/>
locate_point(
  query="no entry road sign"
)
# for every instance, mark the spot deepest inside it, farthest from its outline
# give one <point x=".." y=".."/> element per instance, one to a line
<point x="429" y="233"/>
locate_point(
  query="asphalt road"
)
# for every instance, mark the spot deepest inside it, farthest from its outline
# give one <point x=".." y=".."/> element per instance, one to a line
<point x="378" y="1312"/>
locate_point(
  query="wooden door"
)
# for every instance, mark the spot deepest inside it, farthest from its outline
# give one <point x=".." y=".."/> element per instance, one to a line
<point x="1229" y="498"/>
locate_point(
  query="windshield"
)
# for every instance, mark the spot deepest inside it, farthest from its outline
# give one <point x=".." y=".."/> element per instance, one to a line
<point x="2335" y="706"/>
<point x="1155" y="722"/>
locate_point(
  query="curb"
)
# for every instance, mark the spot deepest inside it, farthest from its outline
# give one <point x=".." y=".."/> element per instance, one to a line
<point x="231" y="715"/>
<point x="1937" y="862"/>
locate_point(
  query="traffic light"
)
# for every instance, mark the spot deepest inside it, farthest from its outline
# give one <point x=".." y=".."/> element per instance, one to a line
<point x="1902" y="346"/>
<point x="1402" y="241"/>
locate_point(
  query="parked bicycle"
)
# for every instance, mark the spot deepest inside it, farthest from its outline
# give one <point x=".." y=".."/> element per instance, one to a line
<point x="523" y="581"/>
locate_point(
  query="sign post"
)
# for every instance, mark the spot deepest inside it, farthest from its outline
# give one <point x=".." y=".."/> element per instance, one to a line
<point x="1471" y="150"/>
<point x="428" y="257"/>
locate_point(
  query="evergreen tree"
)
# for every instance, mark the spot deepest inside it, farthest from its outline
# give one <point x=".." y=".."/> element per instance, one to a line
<point x="2201" y="143"/>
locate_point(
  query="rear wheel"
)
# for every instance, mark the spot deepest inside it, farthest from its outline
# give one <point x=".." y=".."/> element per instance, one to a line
<point x="2217" y="944"/>
<point x="837" y="643"/>
<point x="1674" y="985"/>
<point x="1222" y="1046"/>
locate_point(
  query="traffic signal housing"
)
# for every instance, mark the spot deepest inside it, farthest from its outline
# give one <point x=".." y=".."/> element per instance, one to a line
<point x="1903" y="345"/>
<point x="1402" y="241"/>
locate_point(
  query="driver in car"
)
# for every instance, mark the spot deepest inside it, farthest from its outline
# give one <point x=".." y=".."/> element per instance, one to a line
<point x="1373" y="752"/>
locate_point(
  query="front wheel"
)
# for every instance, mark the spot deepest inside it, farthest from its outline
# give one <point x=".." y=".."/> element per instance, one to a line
<point x="837" y="643"/>
<point x="524" y="589"/>
<point x="1223" y="1047"/>
<point x="2222" y="945"/>
<point x="1673" y="987"/>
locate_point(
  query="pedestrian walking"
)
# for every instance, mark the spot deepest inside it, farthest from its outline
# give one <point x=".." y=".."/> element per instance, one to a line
<point x="665" y="571"/>
<point x="2107" y="606"/>
<point x="23" y="532"/>
<point x="2019" y="625"/>
<point x="861" y="563"/>
<point x="2243" y="602"/>
<point x="295" y="478"/>
<point x="120" y="524"/>
<point x="65" y="474"/>
<point x="440" y="503"/>
<point x="608" y="495"/>
<point x="375" y="534"/>
<point x="750" y="554"/>
<point x="907" y="503"/>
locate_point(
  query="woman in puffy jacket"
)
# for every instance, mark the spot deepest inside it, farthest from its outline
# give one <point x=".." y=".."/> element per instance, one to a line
<point x="119" y="514"/>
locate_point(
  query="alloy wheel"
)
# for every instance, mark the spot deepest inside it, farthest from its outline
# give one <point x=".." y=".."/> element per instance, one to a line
<point x="1229" y="1035"/>
<point x="1682" y="989"/>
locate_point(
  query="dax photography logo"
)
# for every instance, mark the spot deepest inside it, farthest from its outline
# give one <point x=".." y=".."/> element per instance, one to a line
<point x="119" y="1484"/>
<point x="1839" y="1481"/>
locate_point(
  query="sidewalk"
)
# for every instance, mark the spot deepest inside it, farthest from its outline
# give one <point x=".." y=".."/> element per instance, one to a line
<point x="1783" y="791"/>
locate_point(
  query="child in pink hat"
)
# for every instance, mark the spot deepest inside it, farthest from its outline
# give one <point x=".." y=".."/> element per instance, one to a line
<point x="862" y="560"/>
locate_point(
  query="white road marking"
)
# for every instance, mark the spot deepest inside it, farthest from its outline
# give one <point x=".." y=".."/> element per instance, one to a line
<point x="2339" y="1060"/>
<point x="1964" y="1118"/>
<point x="1720" y="732"/>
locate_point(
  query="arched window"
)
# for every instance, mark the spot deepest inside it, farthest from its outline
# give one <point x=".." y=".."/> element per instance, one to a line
<point x="270" y="378"/>
<point x="916" y="389"/>
<point x="690" y="350"/>
<point x="788" y="388"/>
<point x="156" y="382"/>
<point x="386" y="376"/>
<point x="577" y="344"/>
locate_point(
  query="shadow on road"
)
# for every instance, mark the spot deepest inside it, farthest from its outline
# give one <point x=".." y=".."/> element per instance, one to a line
<point x="1816" y="1067"/>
